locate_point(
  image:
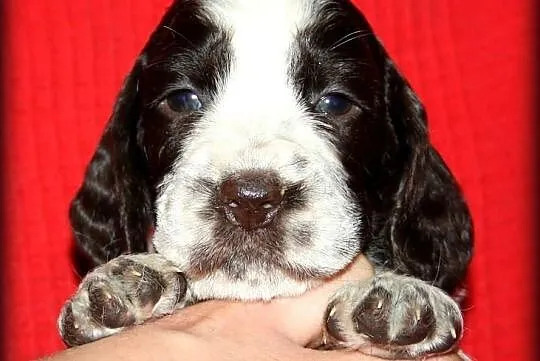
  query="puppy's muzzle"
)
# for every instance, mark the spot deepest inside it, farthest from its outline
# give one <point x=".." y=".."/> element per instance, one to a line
<point x="251" y="199"/>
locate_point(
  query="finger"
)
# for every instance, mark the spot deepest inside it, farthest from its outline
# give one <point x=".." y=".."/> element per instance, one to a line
<point x="301" y="318"/>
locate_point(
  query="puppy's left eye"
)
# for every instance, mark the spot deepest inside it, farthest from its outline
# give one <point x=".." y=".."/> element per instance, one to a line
<point x="334" y="104"/>
<point x="183" y="101"/>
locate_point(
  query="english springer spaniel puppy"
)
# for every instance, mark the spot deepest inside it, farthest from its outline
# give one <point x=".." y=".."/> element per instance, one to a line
<point x="261" y="146"/>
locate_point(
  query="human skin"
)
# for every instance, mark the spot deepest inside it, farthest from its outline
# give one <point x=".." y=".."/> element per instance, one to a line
<point x="225" y="330"/>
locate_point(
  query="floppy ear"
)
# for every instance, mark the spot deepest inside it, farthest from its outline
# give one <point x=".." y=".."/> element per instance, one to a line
<point x="111" y="213"/>
<point x="428" y="223"/>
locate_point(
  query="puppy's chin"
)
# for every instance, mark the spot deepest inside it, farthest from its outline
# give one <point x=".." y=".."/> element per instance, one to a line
<point x="257" y="286"/>
<point x="254" y="286"/>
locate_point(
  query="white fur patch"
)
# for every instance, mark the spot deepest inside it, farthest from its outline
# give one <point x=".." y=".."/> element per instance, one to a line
<point x="257" y="285"/>
<point x="258" y="122"/>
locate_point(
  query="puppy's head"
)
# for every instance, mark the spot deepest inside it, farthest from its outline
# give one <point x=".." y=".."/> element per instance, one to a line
<point x="267" y="144"/>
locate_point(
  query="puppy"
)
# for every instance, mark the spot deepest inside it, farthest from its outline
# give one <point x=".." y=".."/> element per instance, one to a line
<point x="264" y="145"/>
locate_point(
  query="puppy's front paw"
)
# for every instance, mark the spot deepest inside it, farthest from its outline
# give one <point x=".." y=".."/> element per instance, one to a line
<point x="123" y="292"/>
<point x="395" y="317"/>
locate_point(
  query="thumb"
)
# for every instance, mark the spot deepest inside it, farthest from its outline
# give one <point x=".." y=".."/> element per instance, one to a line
<point x="301" y="318"/>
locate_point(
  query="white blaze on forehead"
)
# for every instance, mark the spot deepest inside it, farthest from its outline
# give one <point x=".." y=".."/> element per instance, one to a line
<point x="262" y="34"/>
<point x="257" y="103"/>
<point x="258" y="92"/>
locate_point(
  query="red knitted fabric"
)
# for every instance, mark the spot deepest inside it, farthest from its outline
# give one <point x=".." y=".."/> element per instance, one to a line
<point x="468" y="60"/>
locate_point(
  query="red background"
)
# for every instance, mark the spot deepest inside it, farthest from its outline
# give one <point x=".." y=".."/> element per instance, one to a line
<point x="468" y="60"/>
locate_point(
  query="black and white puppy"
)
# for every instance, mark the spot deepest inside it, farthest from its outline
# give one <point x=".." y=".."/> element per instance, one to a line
<point x="264" y="145"/>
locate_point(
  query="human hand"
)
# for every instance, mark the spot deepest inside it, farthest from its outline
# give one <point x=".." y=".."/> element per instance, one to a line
<point x="283" y="326"/>
<point x="224" y="330"/>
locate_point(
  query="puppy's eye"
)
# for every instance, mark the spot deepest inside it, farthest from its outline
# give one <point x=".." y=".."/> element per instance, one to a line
<point x="183" y="101"/>
<point x="333" y="104"/>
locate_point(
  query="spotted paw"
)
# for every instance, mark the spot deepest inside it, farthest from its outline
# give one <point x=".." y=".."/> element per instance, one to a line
<point x="123" y="292"/>
<point x="394" y="317"/>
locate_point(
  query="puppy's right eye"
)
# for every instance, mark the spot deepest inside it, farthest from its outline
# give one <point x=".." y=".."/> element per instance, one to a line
<point x="184" y="101"/>
<point x="334" y="104"/>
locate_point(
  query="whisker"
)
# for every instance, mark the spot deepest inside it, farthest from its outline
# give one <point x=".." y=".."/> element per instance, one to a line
<point x="346" y="36"/>
<point x="438" y="269"/>
<point x="351" y="38"/>
<point x="180" y="35"/>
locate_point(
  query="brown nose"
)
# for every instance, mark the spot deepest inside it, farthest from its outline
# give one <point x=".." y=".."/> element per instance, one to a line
<point x="251" y="199"/>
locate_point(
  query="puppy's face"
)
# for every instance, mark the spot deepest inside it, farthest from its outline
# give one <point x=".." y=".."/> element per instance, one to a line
<point x="268" y="143"/>
<point x="250" y="110"/>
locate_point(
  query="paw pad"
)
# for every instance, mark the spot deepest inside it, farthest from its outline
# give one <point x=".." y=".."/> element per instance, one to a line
<point x="393" y="316"/>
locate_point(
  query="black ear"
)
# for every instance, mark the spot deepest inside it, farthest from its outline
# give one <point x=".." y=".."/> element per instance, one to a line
<point x="111" y="213"/>
<point x="427" y="224"/>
